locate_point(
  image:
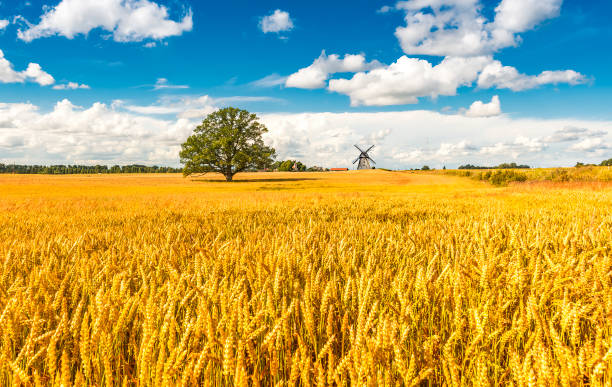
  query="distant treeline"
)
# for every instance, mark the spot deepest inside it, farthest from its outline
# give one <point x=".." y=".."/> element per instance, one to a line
<point x="605" y="163"/>
<point x="294" y="166"/>
<point x="500" y="166"/>
<point x="83" y="169"/>
<point x="288" y="166"/>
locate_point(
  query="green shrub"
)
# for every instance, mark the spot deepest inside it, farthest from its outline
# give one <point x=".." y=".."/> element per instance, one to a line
<point x="501" y="177"/>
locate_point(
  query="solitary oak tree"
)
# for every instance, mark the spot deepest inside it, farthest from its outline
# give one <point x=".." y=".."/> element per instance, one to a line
<point x="228" y="141"/>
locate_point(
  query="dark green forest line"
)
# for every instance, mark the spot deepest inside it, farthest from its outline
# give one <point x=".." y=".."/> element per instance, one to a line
<point x="83" y="169"/>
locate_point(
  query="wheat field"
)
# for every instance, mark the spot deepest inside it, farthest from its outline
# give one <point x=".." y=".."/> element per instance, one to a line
<point x="282" y="279"/>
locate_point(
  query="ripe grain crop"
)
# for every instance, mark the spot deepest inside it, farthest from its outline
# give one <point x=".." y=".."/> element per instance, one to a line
<point x="586" y="175"/>
<point x="374" y="278"/>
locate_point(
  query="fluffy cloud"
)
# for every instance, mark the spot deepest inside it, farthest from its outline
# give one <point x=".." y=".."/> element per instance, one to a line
<point x="459" y="28"/>
<point x="516" y="16"/>
<point x="481" y="109"/>
<point x="71" y="86"/>
<point x="571" y="133"/>
<point x="521" y="145"/>
<point x="327" y="138"/>
<point x="126" y="20"/>
<point x="3" y="24"/>
<point x="462" y="148"/>
<point x="445" y="152"/>
<point x="453" y="29"/>
<point x="278" y="21"/>
<point x="378" y="136"/>
<point x="508" y="77"/>
<point x="33" y="73"/>
<point x="590" y="145"/>
<point x="316" y="75"/>
<point x="406" y="80"/>
<point x="124" y="134"/>
<point x="14" y="113"/>
<point x="11" y="142"/>
<point x="97" y="134"/>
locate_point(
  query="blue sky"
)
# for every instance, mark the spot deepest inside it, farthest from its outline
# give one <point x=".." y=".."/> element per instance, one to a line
<point x="149" y="70"/>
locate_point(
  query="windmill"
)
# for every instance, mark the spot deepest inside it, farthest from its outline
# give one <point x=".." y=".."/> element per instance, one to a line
<point x="364" y="159"/>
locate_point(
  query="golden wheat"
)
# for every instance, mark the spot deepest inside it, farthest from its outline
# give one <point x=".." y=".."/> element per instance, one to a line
<point x="373" y="278"/>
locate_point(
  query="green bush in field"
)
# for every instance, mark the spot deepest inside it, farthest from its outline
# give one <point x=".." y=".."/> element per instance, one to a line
<point x="558" y="175"/>
<point x="501" y="177"/>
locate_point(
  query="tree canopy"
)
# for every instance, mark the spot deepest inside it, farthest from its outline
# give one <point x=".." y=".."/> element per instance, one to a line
<point x="287" y="166"/>
<point x="228" y="141"/>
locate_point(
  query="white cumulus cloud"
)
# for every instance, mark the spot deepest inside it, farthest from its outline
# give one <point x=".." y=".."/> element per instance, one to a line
<point x="516" y="16"/>
<point x="481" y="109"/>
<point x="462" y="148"/>
<point x="3" y="24"/>
<point x="456" y="30"/>
<point x="590" y="145"/>
<point x="572" y="133"/>
<point x="33" y="73"/>
<point x="126" y="20"/>
<point x="122" y="134"/>
<point x="507" y="77"/>
<point x="408" y="79"/>
<point x="316" y="75"/>
<point x="278" y="21"/>
<point x="459" y="27"/>
<point x="521" y="145"/>
<point x="327" y="139"/>
<point x="99" y="133"/>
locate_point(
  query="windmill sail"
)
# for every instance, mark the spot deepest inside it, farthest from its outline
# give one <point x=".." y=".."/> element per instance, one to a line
<point x="364" y="158"/>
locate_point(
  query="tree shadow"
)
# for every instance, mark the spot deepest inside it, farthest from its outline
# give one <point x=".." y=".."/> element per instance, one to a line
<point x="255" y="180"/>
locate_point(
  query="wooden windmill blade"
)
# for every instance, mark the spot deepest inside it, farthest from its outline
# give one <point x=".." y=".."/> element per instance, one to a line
<point x="364" y="159"/>
<point x="368" y="156"/>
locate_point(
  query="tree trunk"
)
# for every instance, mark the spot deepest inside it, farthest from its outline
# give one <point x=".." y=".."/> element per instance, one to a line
<point x="229" y="177"/>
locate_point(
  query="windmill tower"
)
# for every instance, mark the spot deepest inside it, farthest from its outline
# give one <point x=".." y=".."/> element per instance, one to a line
<point x="364" y="159"/>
